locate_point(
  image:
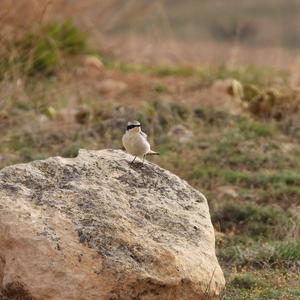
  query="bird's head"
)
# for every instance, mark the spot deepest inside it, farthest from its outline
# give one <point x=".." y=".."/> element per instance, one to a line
<point x="133" y="126"/>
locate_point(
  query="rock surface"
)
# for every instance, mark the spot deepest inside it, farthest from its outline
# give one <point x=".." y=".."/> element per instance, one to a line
<point x="91" y="227"/>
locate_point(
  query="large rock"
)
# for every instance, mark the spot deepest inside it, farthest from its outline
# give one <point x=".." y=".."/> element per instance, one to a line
<point x="91" y="227"/>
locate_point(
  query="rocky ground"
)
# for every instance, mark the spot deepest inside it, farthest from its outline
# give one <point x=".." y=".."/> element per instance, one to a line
<point x="237" y="141"/>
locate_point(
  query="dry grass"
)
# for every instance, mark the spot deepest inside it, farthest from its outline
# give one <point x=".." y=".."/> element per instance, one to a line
<point x="134" y="35"/>
<point x="235" y="148"/>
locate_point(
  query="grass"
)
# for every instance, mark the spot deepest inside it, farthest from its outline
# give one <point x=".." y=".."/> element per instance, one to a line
<point x="42" y="51"/>
<point x="160" y="88"/>
<point x="262" y="286"/>
<point x="262" y="179"/>
<point x="248" y="75"/>
<point x="270" y="255"/>
<point x="251" y="129"/>
<point x="53" y="110"/>
<point x="245" y="281"/>
<point x="253" y="220"/>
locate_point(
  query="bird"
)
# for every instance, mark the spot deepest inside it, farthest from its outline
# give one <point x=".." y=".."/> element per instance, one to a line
<point x="135" y="141"/>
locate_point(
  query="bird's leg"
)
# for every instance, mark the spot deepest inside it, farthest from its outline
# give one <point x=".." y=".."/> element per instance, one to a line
<point x="144" y="158"/>
<point x="133" y="160"/>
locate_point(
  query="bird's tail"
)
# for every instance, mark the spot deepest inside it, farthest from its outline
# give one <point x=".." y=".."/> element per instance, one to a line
<point x="152" y="153"/>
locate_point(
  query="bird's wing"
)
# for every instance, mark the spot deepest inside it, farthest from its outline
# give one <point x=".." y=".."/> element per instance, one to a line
<point x="124" y="140"/>
<point x="143" y="134"/>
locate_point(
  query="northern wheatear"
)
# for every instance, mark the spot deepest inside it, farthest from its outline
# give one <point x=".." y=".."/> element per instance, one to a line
<point x="135" y="141"/>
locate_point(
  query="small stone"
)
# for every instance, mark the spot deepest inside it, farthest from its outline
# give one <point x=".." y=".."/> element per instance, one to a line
<point x="92" y="61"/>
<point x="109" y="86"/>
<point x="227" y="191"/>
<point x="181" y="134"/>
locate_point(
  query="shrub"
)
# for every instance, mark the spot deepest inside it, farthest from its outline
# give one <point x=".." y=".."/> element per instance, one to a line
<point x="67" y="37"/>
<point x="272" y="103"/>
<point x="41" y="52"/>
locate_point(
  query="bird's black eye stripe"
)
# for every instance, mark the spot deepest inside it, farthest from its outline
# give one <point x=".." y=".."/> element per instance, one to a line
<point x="132" y="126"/>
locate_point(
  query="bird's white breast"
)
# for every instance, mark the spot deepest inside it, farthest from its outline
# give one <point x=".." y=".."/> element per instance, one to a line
<point x="135" y="144"/>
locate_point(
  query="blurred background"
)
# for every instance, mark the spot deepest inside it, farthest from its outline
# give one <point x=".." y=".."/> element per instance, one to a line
<point x="215" y="85"/>
<point x="265" y="32"/>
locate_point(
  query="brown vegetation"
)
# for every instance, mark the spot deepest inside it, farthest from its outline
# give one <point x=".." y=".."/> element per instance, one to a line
<point x="244" y="119"/>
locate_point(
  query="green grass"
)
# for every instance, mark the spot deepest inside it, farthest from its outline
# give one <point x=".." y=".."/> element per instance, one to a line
<point x="246" y="153"/>
<point x="251" y="129"/>
<point x="43" y="52"/>
<point x="252" y="220"/>
<point x="160" y="88"/>
<point x="249" y="75"/>
<point x="262" y="179"/>
<point x="266" y="293"/>
<point x="245" y="281"/>
<point x="268" y="255"/>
